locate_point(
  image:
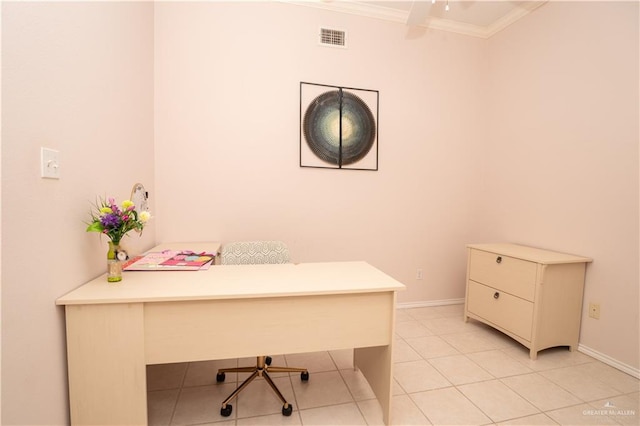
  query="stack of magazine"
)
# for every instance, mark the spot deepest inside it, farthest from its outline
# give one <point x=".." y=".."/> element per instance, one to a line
<point x="170" y="260"/>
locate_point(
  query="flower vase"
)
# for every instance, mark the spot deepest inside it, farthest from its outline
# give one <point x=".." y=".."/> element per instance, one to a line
<point x="114" y="266"/>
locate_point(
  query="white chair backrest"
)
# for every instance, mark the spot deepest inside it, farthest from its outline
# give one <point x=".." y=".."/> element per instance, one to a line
<point x="254" y="252"/>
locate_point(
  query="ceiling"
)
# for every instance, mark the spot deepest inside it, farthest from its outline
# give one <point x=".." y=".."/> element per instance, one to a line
<point x="479" y="18"/>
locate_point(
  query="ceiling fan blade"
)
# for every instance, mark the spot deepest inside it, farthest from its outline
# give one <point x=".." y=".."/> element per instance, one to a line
<point x="418" y="12"/>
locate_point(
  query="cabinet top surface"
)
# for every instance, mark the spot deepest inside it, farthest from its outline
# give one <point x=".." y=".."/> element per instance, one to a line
<point x="532" y="254"/>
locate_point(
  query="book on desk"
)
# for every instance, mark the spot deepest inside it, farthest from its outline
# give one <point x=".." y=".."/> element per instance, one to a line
<point x="170" y="260"/>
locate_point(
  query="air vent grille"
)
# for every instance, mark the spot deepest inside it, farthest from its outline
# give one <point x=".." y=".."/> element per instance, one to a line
<point x="335" y="38"/>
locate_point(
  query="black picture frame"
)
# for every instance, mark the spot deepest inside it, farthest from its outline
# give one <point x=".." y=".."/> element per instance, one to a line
<point x="338" y="127"/>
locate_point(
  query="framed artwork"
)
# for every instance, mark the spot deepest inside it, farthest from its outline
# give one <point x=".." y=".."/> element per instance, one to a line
<point x="338" y="127"/>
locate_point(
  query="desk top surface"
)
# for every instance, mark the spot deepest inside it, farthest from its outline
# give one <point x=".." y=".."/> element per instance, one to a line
<point x="233" y="281"/>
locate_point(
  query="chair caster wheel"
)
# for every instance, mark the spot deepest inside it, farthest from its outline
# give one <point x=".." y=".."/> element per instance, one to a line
<point x="287" y="409"/>
<point x="268" y="360"/>
<point x="226" y="411"/>
<point x="304" y="376"/>
<point x="220" y="377"/>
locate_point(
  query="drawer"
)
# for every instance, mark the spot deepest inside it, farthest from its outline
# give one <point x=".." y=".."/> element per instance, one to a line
<point x="504" y="273"/>
<point x="509" y="312"/>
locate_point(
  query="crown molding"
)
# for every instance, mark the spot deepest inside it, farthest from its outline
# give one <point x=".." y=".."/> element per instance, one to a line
<point x="513" y="16"/>
<point x="395" y="15"/>
<point x="353" y="8"/>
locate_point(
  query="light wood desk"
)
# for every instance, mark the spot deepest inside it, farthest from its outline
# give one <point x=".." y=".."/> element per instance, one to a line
<point x="115" y="330"/>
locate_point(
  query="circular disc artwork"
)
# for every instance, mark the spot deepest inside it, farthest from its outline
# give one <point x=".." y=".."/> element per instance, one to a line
<point x="322" y="127"/>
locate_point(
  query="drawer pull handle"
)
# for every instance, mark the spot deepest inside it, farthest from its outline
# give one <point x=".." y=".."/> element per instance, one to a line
<point x="499" y="259"/>
<point x="496" y="295"/>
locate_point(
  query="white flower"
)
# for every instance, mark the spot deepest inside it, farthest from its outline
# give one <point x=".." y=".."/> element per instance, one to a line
<point x="144" y="216"/>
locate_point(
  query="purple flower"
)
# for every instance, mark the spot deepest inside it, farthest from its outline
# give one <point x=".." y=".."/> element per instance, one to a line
<point x="110" y="221"/>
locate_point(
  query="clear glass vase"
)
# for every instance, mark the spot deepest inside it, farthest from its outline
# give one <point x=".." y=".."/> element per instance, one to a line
<point x="114" y="266"/>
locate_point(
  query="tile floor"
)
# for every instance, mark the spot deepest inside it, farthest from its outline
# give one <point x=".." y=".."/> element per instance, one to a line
<point x="447" y="372"/>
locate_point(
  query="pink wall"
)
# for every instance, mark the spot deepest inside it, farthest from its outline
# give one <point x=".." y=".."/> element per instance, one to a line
<point x="562" y="154"/>
<point x="76" y="77"/>
<point x="227" y="138"/>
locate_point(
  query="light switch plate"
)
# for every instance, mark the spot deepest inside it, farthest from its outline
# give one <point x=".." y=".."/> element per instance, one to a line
<point x="50" y="163"/>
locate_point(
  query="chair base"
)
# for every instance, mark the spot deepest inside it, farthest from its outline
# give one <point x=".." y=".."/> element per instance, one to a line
<point x="261" y="369"/>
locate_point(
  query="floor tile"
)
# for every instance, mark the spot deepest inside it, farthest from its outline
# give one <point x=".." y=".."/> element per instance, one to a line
<point x="258" y="399"/>
<point x="406" y="412"/>
<point x="314" y="361"/>
<point x="498" y="363"/>
<point x="272" y="420"/>
<point x="449" y="407"/>
<point x="165" y="376"/>
<point x="342" y="358"/>
<point x="582" y="415"/>
<point x="585" y="387"/>
<point x="469" y="342"/>
<point x="402" y="315"/>
<point x="412" y="329"/>
<point x="371" y="411"/>
<point x="454" y="310"/>
<point x="220" y="423"/>
<point x="201" y="404"/>
<point x="431" y="347"/>
<point x="204" y="372"/>
<point x="498" y="338"/>
<point x="497" y="400"/>
<point x="534" y="420"/>
<point x="397" y="389"/>
<point x="160" y="406"/>
<point x="610" y="376"/>
<point x="624" y="409"/>
<point x="322" y="389"/>
<point x="541" y="392"/>
<point x="446" y="325"/>
<point x="459" y="369"/>
<point x="423" y="313"/>
<point x="403" y="412"/>
<point x="416" y="376"/>
<point x="403" y="352"/>
<point x="337" y="415"/>
<point x="357" y="384"/>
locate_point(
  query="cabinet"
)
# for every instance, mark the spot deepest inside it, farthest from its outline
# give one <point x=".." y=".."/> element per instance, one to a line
<point x="530" y="294"/>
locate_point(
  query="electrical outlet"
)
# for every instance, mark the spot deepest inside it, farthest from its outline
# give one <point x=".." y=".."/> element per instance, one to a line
<point x="418" y="274"/>
<point x="594" y="310"/>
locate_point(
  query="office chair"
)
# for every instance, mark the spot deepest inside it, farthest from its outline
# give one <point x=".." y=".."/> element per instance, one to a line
<point x="252" y="253"/>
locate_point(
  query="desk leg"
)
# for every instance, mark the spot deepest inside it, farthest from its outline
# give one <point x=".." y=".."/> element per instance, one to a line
<point x="376" y="365"/>
<point x="105" y="356"/>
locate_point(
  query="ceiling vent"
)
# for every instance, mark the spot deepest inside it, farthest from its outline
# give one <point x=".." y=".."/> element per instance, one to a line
<point x="333" y="38"/>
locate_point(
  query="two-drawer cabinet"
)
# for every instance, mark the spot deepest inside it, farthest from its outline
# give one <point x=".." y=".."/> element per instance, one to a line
<point x="532" y="295"/>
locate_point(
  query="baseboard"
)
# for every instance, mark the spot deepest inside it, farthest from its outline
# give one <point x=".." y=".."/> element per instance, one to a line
<point x="428" y="303"/>
<point x="632" y="371"/>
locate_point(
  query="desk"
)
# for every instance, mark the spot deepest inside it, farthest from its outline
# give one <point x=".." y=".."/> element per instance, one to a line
<point x="156" y="317"/>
